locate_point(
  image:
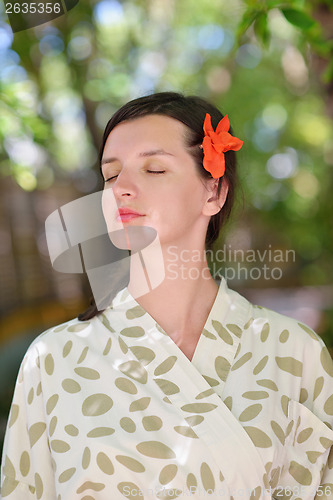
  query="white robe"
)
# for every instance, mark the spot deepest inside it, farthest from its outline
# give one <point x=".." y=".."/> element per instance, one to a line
<point x="111" y="408"/>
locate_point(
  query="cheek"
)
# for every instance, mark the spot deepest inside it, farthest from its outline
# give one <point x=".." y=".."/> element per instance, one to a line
<point x="109" y="207"/>
<point x="190" y="199"/>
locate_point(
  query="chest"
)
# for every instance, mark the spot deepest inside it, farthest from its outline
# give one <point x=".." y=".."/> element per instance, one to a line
<point x="186" y="341"/>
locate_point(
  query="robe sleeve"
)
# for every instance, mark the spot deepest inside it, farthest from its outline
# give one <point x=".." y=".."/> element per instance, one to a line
<point x="325" y="490"/>
<point x="307" y="471"/>
<point x="26" y="463"/>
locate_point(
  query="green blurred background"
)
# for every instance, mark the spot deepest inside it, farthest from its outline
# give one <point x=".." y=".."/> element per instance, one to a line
<point x="267" y="64"/>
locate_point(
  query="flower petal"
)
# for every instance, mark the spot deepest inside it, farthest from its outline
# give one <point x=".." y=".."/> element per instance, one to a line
<point x="207" y="126"/>
<point x="216" y="143"/>
<point x="215" y="166"/>
<point x="223" y="125"/>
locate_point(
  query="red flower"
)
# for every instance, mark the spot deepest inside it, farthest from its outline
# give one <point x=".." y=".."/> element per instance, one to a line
<point x="216" y="143"/>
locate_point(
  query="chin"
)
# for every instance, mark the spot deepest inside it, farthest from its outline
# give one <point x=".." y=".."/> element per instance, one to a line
<point x="133" y="237"/>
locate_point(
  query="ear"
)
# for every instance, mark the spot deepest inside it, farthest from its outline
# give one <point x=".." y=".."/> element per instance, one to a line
<point x="215" y="201"/>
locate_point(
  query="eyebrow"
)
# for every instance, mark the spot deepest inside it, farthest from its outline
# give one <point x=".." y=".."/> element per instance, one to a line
<point x="154" y="152"/>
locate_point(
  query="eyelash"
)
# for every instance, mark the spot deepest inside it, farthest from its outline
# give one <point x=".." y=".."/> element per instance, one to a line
<point x="149" y="171"/>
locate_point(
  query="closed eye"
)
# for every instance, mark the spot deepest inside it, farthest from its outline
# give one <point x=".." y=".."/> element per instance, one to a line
<point x="110" y="179"/>
<point x="149" y="171"/>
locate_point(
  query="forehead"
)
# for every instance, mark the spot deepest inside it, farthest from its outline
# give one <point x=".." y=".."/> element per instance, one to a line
<point x="157" y="130"/>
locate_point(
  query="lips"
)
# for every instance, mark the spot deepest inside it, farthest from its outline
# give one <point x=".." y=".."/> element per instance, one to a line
<point x="126" y="214"/>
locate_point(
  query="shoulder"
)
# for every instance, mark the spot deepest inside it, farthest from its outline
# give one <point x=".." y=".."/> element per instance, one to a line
<point x="285" y="326"/>
<point x="60" y="337"/>
<point x="296" y="338"/>
<point x="269" y="321"/>
<point x="281" y="334"/>
<point x="296" y="358"/>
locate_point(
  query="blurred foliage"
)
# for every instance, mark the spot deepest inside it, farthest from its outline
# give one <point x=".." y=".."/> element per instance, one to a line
<point x="257" y="60"/>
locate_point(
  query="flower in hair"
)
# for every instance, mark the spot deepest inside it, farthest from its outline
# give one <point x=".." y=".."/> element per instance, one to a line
<point x="216" y="143"/>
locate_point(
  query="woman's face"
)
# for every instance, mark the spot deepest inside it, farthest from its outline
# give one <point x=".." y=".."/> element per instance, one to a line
<point x="146" y="165"/>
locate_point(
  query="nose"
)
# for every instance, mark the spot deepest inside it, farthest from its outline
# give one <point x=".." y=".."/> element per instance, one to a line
<point x="124" y="185"/>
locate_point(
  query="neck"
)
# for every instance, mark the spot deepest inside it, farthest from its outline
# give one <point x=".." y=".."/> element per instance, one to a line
<point x="181" y="301"/>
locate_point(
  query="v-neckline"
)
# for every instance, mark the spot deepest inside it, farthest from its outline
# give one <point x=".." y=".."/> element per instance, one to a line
<point x="219" y="310"/>
<point x="216" y="349"/>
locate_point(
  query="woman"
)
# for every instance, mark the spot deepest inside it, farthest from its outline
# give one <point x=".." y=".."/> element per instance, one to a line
<point x="182" y="388"/>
